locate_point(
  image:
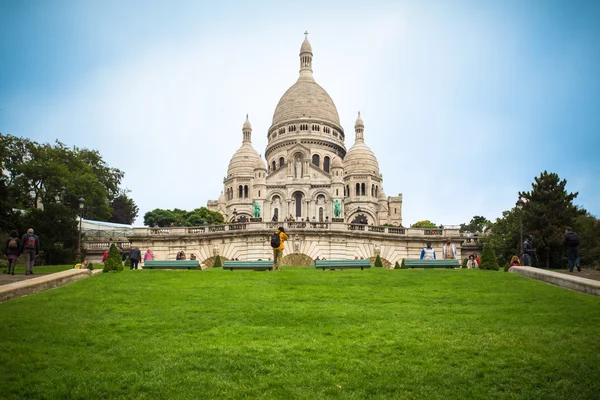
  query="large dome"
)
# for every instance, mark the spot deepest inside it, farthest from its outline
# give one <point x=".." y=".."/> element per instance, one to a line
<point x="306" y="99"/>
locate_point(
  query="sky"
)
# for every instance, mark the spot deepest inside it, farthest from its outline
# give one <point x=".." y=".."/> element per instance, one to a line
<point x="463" y="102"/>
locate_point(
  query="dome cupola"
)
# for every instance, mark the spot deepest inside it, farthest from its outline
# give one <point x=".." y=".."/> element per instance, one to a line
<point x="360" y="159"/>
<point x="245" y="159"/>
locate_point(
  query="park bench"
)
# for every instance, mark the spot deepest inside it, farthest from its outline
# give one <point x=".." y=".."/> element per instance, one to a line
<point x="342" y="264"/>
<point x="171" y="264"/>
<point x="406" y="263"/>
<point x="257" y="265"/>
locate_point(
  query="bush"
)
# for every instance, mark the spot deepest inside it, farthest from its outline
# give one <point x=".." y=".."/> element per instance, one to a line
<point x="90" y="266"/>
<point x="506" y="267"/>
<point x="488" y="258"/>
<point x="128" y="262"/>
<point x="397" y="265"/>
<point x="218" y="263"/>
<point x="378" y="262"/>
<point x="113" y="261"/>
<point x="403" y="265"/>
<point x="464" y="263"/>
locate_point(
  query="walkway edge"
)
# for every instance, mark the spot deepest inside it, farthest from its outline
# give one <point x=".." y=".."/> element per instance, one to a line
<point x="576" y="283"/>
<point x="43" y="282"/>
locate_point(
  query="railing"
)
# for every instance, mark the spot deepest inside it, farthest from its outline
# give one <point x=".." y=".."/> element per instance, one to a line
<point x="105" y="245"/>
<point x="109" y="233"/>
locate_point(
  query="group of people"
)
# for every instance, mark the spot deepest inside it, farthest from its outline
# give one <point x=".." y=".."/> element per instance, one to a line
<point x="181" y="256"/>
<point x="28" y="246"/>
<point x="570" y="241"/>
<point x="448" y="251"/>
<point x="135" y="255"/>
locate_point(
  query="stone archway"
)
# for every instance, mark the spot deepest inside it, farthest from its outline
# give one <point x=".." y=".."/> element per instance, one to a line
<point x="386" y="263"/>
<point x="209" y="262"/>
<point x="297" y="259"/>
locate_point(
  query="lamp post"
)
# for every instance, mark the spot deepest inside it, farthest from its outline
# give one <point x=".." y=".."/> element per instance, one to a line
<point x="520" y="204"/>
<point x="81" y="207"/>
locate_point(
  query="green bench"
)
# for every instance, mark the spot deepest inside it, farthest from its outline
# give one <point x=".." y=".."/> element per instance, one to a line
<point x="171" y="264"/>
<point x="342" y="264"/>
<point x="406" y="263"/>
<point x="248" y="265"/>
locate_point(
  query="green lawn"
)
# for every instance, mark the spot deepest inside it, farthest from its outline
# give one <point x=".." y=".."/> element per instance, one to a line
<point x="302" y="334"/>
<point x="45" y="269"/>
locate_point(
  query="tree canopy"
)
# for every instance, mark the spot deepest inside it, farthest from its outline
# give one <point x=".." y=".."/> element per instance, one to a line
<point x="199" y="216"/>
<point x="477" y="224"/>
<point x="424" y="224"/>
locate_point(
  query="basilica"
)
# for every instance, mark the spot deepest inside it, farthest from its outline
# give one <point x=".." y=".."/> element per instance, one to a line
<point x="308" y="174"/>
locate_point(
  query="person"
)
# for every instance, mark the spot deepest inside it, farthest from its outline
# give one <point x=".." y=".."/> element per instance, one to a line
<point x="277" y="243"/>
<point x="527" y="251"/>
<point x="192" y="256"/>
<point x="30" y="248"/>
<point x="104" y="256"/>
<point x="12" y="251"/>
<point x="515" y="262"/>
<point x="428" y="253"/>
<point x="472" y="263"/>
<point x="313" y="219"/>
<point x="148" y="256"/>
<point x="135" y="255"/>
<point x="449" y="250"/>
<point x="274" y="219"/>
<point x="571" y="242"/>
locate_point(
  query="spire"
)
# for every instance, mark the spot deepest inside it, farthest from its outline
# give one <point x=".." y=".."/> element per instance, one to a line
<point x="306" y="59"/>
<point x="359" y="128"/>
<point x="247" y="131"/>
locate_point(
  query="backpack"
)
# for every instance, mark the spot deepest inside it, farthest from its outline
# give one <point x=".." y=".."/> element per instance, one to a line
<point x="30" y="242"/>
<point x="13" y="243"/>
<point x="275" y="240"/>
<point x="573" y="239"/>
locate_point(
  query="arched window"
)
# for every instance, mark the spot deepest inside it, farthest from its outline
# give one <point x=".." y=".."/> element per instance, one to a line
<point x="281" y="162"/>
<point x="348" y="190"/>
<point x="245" y="191"/>
<point x="377" y="191"/>
<point x="362" y="189"/>
<point x="316" y="160"/>
<point x="357" y="189"/>
<point x="372" y="190"/>
<point x="259" y="193"/>
<point x="326" y="164"/>
<point x="273" y="166"/>
<point x="337" y="192"/>
<point x="240" y="191"/>
<point x="298" y="198"/>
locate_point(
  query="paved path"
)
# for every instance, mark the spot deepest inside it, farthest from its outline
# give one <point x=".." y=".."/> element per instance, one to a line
<point x="5" y="279"/>
<point x="566" y="280"/>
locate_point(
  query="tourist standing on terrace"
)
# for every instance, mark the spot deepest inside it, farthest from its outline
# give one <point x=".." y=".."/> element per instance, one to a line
<point x="277" y="243"/>
<point x="12" y="251"/>
<point x="449" y="250"/>
<point x="135" y="256"/>
<point x="30" y="248"/>
<point x="428" y="253"/>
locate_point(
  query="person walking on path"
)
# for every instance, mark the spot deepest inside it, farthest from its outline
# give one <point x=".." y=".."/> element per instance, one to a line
<point x="528" y="250"/>
<point x="571" y="242"/>
<point x="30" y="248"/>
<point x="428" y="253"/>
<point x="135" y="256"/>
<point x="277" y="243"/>
<point x="12" y="251"/>
<point x="449" y="250"/>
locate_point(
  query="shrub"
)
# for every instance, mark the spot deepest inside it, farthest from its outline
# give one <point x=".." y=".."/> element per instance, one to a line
<point x="397" y="265"/>
<point x="506" y="267"/>
<point x="488" y="258"/>
<point x="128" y="262"/>
<point x="3" y="263"/>
<point x="403" y="265"/>
<point x="113" y="261"/>
<point x="464" y="263"/>
<point x="378" y="262"/>
<point x="217" y="263"/>
<point x="90" y="266"/>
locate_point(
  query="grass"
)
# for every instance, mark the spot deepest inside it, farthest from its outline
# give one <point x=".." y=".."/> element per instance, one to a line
<point x="302" y="334"/>
<point x="44" y="269"/>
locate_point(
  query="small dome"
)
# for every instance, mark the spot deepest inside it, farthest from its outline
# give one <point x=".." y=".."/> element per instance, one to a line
<point x="260" y="164"/>
<point x="243" y="162"/>
<point x="336" y="163"/>
<point x="247" y="124"/>
<point x="221" y="199"/>
<point x="360" y="159"/>
<point x="382" y="196"/>
<point x="306" y="47"/>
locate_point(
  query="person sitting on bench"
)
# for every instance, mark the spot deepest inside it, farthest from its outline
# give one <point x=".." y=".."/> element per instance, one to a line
<point x="428" y="253"/>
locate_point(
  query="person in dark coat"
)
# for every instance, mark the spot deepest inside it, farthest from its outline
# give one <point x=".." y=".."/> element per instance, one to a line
<point x="12" y="251"/>
<point x="571" y="242"/>
<point x="30" y="248"/>
<point x="135" y="256"/>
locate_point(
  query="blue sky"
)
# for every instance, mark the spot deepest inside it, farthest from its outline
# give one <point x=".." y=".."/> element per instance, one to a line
<point x="464" y="102"/>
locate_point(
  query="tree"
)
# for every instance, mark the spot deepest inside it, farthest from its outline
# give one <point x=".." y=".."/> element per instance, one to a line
<point x="113" y="262"/>
<point x="397" y="265"/>
<point x="124" y="210"/>
<point x="378" y="262"/>
<point x="218" y="263"/>
<point x="548" y="210"/>
<point x="477" y="224"/>
<point x="488" y="258"/>
<point x="588" y="229"/>
<point x="424" y="224"/>
<point x="196" y="217"/>
<point x="505" y="235"/>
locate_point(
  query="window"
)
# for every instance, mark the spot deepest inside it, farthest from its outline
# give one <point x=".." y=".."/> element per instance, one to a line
<point x="245" y="191"/>
<point x="337" y="192"/>
<point x="240" y="191"/>
<point x="362" y="189"/>
<point x="316" y="160"/>
<point x="372" y="190"/>
<point x="326" y="164"/>
<point x="281" y="162"/>
<point x="273" y="166"/>
<point x="357" y="189"/>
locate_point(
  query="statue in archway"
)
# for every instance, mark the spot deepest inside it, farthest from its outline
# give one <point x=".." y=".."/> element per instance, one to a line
<point x="256" y="211"/>
<point x="337" y="209"/>
<point x="298" y="168"/>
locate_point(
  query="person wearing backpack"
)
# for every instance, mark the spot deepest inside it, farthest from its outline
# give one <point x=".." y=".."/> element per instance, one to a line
<point x="12" y="251"/>
<point x="571" y="242"/>
<point x="277" y="240"/>
<point x="30" y="248"/>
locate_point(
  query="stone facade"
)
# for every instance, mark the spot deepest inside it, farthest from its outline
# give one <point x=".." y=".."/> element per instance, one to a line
<point x="308" y="169"/>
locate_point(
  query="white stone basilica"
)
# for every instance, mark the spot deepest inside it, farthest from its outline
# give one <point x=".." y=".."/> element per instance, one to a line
<point x="308" y="172"/>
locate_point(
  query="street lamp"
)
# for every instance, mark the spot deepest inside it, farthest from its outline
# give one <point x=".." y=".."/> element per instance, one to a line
<point x="520" y="204"/>
<point x="81" y="207"/>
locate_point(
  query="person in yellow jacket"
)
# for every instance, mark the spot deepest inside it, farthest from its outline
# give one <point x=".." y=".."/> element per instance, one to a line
<point x="277" y="244"/>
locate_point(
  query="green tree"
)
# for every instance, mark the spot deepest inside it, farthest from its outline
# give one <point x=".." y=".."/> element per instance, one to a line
<point x="488" y="258"/>
<point x="176" y="216"/>
<point x="378" y="262"/>
<point x="124" y="210"/>
<point x="477" y="224"/>
<point x="397" y="265"/>
<point x="218" y="263"/>
<point x="588" y="229"/>
<point x="113" y="262"/>
<point x="505" y="235"/>
<point x="548" y="210"/>
<point x="424" y="224"/>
